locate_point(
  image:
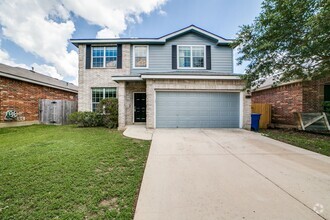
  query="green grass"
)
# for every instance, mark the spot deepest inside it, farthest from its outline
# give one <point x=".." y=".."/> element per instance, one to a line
<point x="319" y="143"/>
<point x="64" y="172"/>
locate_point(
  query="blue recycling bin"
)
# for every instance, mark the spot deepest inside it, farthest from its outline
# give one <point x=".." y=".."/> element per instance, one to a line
<point x="255" y="118"/>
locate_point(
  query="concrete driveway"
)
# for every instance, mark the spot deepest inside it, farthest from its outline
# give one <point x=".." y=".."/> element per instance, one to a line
<point x="231" y="174"/>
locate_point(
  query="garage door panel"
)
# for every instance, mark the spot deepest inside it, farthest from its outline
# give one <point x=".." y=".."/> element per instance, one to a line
<point x="197" y="109"/>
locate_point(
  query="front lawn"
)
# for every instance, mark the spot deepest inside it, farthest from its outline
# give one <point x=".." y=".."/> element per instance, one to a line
<point x="319" y="143"/>
<point x="64" y="172"/>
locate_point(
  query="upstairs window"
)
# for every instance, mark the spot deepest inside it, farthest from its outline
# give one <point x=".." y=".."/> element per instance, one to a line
<point x="140" y="56"/>
<point x="103" y="57"/>
<point x="102" y="93"/>
<point x="191" y="57"/>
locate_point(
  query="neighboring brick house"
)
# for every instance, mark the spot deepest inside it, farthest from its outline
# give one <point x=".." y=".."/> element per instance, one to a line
<point x="21" y="89"/>
<point x="296" y="96"/>
<point x="182" y="79"/>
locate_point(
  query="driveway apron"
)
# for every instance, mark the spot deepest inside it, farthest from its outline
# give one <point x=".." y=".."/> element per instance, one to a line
<point x="231" y="174"/>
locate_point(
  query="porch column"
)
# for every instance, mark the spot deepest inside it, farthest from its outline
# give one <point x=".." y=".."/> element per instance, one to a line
<point x="246" y="110"/>
<point x="121" y="106"/>
<point x="150" y="104"/>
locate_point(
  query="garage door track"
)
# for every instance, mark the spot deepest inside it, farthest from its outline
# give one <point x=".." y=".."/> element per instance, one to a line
<point x="231" y="174"/>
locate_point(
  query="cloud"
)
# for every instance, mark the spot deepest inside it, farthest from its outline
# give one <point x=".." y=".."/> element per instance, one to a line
<point x="38" y="33"/>
<point x="47" y="70"/>
<point x="106" y="33"/>
<point x="44" y="31"/>
<point x="43" y="68"/>
<point x="162" y="12"/>
<point x="112" y="14"/>
<point x="5" y="59"/>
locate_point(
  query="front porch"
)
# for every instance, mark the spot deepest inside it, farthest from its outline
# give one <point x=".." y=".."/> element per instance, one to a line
<point x="190" y="101"/>
<point x="132" y="103"/>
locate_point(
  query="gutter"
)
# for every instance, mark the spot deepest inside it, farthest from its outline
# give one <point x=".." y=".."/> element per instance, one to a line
<point x="127" y="78"/>
<point x="149" y="76"/>
<point x="189" y="77"/>
<point x="76" y="42"/>
<point x="8" y="75"/>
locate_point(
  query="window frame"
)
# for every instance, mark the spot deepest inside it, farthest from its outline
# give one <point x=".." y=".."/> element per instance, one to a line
<point x="103" y="92"/>
<point x="104" y="57"/>
<point x="133" y="57"/>
<point x="191" y="57"/>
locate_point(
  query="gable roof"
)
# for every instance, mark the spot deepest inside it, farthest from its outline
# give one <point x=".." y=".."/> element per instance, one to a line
<point x="35" y="78"/>
<point x="272" y="82"/>
<point x="194" y="29"/>
<point x="160" y="40"/>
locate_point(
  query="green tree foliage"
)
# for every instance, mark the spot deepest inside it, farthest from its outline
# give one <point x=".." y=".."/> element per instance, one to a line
<point x="289" y="38"/>
<point x="109" y="109"/>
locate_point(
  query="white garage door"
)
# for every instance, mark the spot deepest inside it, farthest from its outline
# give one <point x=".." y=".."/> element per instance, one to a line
<point x="197" y="109"/>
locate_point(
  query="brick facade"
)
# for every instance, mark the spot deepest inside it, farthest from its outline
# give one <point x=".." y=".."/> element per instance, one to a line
<point x="98" y="77"/>
<point x="197" y="85"/>
<point x="126" y="90"/>
<point x="23" y="97"/>
<point x="286" y="99"/>
<point x="313" y="94"/>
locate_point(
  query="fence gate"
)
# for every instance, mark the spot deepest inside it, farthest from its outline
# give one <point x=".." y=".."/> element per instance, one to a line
<point x="266" y="113"/>
<point x="56" y="111"/>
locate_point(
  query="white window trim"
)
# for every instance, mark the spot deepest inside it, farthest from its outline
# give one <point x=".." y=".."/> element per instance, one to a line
<point x="191" y="58"/>
<point x="104" y="58"/>
<point x="104" y="88"/>
<point x="133" y="56"/>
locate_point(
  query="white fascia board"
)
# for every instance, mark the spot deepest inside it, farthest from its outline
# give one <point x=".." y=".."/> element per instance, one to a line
<point x="189" y="77"/>
<point x="37" y="82"/>
<point x="115" y="41"/>
<point x="126" y="78"/>
<point x="220" y="40"/>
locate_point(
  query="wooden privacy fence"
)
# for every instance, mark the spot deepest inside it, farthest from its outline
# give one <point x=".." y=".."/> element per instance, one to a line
<point x="312" y="121"/>
<point x="56" y="111"/>
<point x="266" y="113"/>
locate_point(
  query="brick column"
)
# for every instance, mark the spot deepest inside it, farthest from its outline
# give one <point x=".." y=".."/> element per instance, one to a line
<point x="246" y="111"/>
<point x="121" y="106"/>
<point x="150" y="104"/>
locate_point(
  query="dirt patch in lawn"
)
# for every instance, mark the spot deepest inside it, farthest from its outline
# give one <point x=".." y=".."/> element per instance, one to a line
<point x="111" y="204"/>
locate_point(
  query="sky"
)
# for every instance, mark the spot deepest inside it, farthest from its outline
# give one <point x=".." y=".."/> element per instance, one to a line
<point x="36" y="33"/>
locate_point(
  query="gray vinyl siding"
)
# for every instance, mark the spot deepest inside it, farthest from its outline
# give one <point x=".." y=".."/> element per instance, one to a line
<point x="160" y="56"/>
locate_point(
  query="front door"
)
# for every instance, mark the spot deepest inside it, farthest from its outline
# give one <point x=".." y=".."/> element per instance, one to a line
<point x="139" y="107"/>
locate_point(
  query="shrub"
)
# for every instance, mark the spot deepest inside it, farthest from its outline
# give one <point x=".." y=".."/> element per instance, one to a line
<point x="86" y="119"/>
<point x="106" y="115"/>
<point x="109" y="110"/>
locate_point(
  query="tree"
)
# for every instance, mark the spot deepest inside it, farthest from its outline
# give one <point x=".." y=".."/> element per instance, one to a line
<point x="290" y="39"/>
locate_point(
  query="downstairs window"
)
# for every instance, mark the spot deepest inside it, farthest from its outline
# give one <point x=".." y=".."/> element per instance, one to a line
<point x="102" y="93"/>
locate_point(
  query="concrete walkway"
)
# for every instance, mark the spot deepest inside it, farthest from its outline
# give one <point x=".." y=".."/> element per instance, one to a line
<point x="138" y="132"/>
<point x="231" y="174"/>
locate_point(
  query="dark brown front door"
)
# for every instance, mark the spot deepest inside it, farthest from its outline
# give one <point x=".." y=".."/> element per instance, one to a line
<point x="139" y="107"/>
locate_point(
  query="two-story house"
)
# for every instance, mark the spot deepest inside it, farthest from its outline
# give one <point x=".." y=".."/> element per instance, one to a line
<point x="184" y="79"/>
